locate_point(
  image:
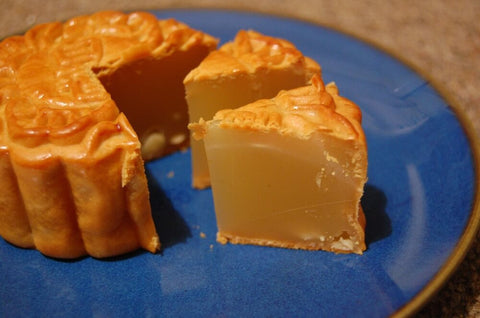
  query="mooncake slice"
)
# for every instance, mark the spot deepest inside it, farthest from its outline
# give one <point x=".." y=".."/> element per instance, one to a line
<point x="71" y="168"/>
<point x="253" y="66"/>
<point x="289" y="171"/>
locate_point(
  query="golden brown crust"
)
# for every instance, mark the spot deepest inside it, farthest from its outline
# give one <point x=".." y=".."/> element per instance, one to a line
<point x="69" y="159"/>
<point x="249" y="52"/>
<point x="51" y="93"/>
<point x="297" y="112"/>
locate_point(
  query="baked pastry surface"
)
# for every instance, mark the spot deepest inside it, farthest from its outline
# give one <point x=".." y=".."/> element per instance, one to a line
<point x="289" y="171"/>
<point x="253" y="66"/>
<point x="71" y="167"/>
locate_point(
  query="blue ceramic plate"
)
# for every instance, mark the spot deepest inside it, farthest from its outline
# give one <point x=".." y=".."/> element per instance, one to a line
<point x="420" y="204"/>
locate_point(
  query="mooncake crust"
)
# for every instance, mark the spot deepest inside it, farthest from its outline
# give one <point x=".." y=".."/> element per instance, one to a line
<point x="297" y="112"/>
<point x="70" y="161"/>
<point x="249" y="52"/>
<point x="49" y="76"/>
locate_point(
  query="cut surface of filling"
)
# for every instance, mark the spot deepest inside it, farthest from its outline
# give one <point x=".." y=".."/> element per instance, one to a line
<point x="289" y="172"/>
<point x="251" y="67"/>
<point x="151" y="94"/>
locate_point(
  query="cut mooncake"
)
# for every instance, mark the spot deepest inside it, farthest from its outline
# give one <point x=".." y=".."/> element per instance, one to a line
<point x="71" y="168"/>
<point x="289" y="171"/>
<point x="253" y="66"/>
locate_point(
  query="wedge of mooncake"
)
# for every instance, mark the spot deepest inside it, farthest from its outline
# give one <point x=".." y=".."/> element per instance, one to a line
<point x="251" y="67"/>
<point x="289" y="171"/>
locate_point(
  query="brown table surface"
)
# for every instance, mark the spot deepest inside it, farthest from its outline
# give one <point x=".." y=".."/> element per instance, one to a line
<point x="439" y="38"/>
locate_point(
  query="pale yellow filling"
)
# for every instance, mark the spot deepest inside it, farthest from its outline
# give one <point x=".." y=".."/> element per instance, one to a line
<point x="268" y="187"/>
<point x="206" y="97"/>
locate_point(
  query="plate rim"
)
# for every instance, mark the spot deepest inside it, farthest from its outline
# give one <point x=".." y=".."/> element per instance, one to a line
<point x="472" y="227"/>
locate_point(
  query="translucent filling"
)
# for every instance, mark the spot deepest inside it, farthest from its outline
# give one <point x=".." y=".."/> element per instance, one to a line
<point x="267" y="186"/>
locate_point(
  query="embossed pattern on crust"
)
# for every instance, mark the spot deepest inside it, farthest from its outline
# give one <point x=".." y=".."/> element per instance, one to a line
<point x="298" y="112"/>
<point x="70" y="165"/>
<point x="51" y="93"/>
<point x="255" y="50"/>
<point x="251" y="51"/>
